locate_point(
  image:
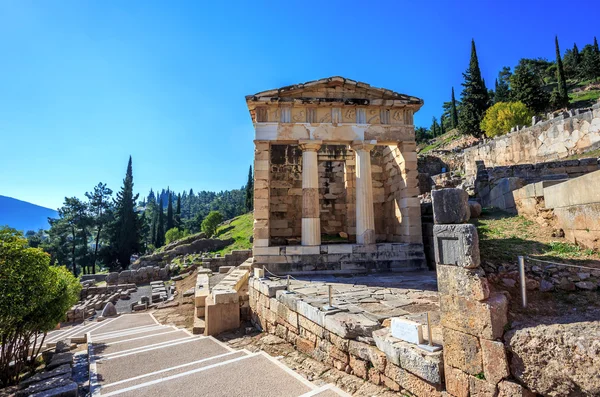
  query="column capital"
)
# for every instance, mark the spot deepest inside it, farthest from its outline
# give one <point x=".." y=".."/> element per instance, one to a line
<point x="363" y="145"/>
<point x="310" y="144"/>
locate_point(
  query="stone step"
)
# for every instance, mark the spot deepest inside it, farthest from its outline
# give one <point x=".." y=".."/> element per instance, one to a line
<point x="267" y="377"/>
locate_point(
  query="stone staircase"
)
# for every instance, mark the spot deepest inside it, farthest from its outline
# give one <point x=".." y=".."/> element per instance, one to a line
<point x="134" y="355"/>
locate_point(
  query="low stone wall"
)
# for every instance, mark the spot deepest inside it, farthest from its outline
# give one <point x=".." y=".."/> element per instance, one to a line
<point x="139" y="276"/>
<point x="576" y="206"/>
<point x="341" y="258"/>
<point x="572" y="133"/>
<point x="495" y="185"/>
<point x="235" y="258"/>
<point x="345" y="340"/>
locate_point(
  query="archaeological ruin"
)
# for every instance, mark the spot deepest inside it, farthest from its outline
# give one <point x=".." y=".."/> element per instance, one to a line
<point x="336" y="180"/>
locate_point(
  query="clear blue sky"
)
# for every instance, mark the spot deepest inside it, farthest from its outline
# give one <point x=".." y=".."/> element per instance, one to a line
<point x="84" y="84"/>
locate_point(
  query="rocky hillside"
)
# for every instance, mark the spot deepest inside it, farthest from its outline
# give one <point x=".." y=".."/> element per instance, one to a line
<point x="233" y="234"/>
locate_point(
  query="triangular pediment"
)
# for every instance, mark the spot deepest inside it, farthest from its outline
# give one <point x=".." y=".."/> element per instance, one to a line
<point x="334" y="88"/>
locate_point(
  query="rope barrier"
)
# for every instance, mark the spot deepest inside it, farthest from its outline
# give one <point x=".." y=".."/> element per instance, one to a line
<point x="560" y="264"/>
<point x="292" y="277"/>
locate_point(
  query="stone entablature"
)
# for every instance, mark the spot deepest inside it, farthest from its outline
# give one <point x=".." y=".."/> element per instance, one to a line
<point x="334" y="157"/>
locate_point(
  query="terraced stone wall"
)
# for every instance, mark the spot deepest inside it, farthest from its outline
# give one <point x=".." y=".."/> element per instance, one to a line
<point x="571" y="133"/>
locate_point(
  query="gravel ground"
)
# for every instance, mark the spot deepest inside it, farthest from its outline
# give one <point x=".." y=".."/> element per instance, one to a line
<point x="124" y="305"/>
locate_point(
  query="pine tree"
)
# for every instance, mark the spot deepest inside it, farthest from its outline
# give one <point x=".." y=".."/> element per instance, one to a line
<point x="563" y="96"/>
<point x="178" y="212"/>
<point x="527" y="88"/>
<point x="453" y="112"/>
<point x="502" y="93"/>
<point x="126" y="229"/>
<point x="474" y="97"/>
<point x="250" y="191"/>
<point x="170" y="220"/>
<point x="159" y="241"/>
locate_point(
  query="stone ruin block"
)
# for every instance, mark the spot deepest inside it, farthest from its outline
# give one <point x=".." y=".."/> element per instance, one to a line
<point x="450" y="206"/>
<point x="456" y="245"/>
<point x="468" y="283"/>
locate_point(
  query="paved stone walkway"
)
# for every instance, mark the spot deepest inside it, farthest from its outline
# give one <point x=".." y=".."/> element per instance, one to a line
<point x="134" y="355"/>
<point x="378" y="296"/>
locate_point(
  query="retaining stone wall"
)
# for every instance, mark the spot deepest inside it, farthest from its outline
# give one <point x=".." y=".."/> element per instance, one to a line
<point x="235" y="258"/>
<point x="572" y="133"/>
<point x="345" y="341"/>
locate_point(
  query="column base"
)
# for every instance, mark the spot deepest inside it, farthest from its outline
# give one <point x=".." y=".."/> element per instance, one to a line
<point x="311" y="231"/>
<point x="368" y="237"/>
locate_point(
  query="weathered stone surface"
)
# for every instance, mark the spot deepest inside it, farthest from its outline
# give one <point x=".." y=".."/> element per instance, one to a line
<point x="62" y="346"/>
<point x="109" y="310"/>
<point x="60" y="370"/>
<point x="485" y="319"/>
<point x="457" y="382"/>
<point x="557" y="359"/>
<point x="495" y="363"/>
<point x="423" y="364"/>
<point x="112" y="278"/>
<point x="61" y="385"/>
<point x="475" y="209"/>
<point x="462" y="351"/>
<point x="510" y="389"/>
<point x="450" y="206"/>
<point x="59" y="359"/>
<point x="468" y="283"/>
<point x="481" y="388"/>
<point x="456" y="245"/>
<point x="350" y="325"/>
<point x="368" y="353"/>
<point x="410" y="382"/>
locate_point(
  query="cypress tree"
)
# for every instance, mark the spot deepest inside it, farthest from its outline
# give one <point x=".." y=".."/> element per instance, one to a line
<point x="153" y="236"/>
<point x="159" y="241"/>
<point x="178" y="212"/>
<point x="453" y="112"/>
<point x="563" y="95"/>
<point x="170" y="221"/>
<point x="442" y="129"/>
<point x="126" y="230"/>
<point x="434" y="130"/>
<point x="474" y="97"/>
<point x="250" y="191"/>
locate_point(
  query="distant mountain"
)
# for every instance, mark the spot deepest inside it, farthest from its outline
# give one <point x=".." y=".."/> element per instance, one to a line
<point x="24" y="216"/>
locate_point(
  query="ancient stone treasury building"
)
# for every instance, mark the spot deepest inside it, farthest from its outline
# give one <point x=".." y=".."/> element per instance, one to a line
<point x="335" y="182"/>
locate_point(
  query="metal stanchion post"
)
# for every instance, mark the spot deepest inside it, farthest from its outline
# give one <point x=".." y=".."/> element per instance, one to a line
<point x="429" y="336"/>
<point x="522" y="281"/>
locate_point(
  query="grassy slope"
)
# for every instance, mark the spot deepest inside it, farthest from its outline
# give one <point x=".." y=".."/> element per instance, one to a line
<point x="439" y="141"/>
<point x="240" y="229"/>
<point x="503" y="237"/>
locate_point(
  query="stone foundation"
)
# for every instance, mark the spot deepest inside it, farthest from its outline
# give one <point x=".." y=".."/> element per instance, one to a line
<point x="341" y="258"/>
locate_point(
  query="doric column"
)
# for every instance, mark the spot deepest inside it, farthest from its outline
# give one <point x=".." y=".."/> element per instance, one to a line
<point x="365" y="217"/>
<point x="311" y="223"/>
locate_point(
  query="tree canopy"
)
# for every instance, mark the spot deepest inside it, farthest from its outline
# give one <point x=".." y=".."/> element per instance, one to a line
<point x="503" y="116"/>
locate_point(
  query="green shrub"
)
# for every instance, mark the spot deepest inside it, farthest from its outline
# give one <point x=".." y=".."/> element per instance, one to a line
<point x="210" y="223"/>
<point x="34" y="298"/>
<point x="175" y="234"/>
<point x="500" y="118"/>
